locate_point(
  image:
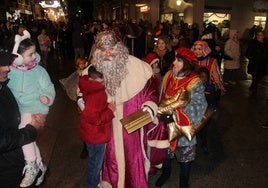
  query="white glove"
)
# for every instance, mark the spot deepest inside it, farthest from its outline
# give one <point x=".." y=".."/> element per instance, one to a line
<point x="81" y="104"/>
<point x="151" y="107"/>
<point x="148" y="109"/>
<point x="80" y="101"/>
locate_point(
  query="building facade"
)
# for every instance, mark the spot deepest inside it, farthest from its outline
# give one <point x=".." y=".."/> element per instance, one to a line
<point x="228" y="14"/>
<point x="13" y="10"/>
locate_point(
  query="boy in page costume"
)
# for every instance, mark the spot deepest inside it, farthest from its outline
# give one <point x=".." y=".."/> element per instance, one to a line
<point x="129" y="84"/>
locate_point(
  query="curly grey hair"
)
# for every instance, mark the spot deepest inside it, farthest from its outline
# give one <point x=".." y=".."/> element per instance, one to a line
<point x="113" y="69"/>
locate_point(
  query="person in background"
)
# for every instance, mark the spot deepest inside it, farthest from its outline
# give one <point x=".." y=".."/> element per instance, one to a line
<point x="34" y="92"/>
<point x="210" y="90"/>
<point x="210" y="94"/>
<point x="159" y="29"/>
<point x="64" y="41"/>
<point x="218" y="54"/>
<point x="135" y="39"/>
<point x="231" y="67"/>
<point x="153" y="60"/>
<point x="95" y="122"/>
<point x="164" y="53"/>
<point x="11" y="138"/>
<point x="78" y="41"/>
<point x="175" y="36"/>
<point x="203" y="53"/>
<point x="5" y="36"/>
<point x="194" y="33"/>
<point x="70" y="83"/>
<point x="257" y="54"/>
<point x="34" y="36"/>
<point x="45" y="44"/>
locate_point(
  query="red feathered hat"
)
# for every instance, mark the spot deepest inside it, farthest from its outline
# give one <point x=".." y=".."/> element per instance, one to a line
<point x="186" y="54"/>
<point x="151" y="58"/>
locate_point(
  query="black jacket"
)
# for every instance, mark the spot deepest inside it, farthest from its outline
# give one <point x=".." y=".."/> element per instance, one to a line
<point x="12" y="139"/>
<point x="165" y="62"/>
<point x="257" y="53"/>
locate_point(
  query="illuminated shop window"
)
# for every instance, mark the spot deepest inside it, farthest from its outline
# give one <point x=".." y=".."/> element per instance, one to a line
<point x="181" y="16"/>
<point x="220" y="20"/>
<point x="260" y="21"/>
<point x="167" y="17"/>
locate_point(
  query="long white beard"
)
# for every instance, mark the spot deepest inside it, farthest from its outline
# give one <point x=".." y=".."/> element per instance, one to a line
<point x="156" y="70"/>
<point x="113" y="68"/>
<point x="113" y="73"/>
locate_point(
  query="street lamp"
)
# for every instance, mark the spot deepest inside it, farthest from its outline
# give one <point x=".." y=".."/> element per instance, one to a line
<point x="50" y="4"/>
<point x="178" y="2"/>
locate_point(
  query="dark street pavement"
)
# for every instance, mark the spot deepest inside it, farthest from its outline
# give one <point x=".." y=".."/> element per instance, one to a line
<point x="238" y="145"/>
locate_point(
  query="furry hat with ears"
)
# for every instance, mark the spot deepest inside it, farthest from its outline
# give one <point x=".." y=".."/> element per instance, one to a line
<point x="151" y="58"/>
<point x="18" y="39"/>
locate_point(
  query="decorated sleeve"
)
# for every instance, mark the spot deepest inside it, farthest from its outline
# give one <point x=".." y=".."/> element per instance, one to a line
<point x="195" y="109"/>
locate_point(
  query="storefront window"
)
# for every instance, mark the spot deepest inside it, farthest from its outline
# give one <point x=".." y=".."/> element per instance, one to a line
<point x="260" y="21"/>
<point x="220" y="20"/>
<point x="181" y="16"/>
<point x="167" y="17"/>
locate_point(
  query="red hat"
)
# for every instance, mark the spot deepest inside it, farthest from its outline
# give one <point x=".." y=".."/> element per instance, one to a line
<point x="151" y="58"/>
<point x="205" y="47"/>
<point x="186" y="54"/>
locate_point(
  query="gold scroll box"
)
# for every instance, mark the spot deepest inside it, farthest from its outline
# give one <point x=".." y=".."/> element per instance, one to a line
<point x="136" y="120"/>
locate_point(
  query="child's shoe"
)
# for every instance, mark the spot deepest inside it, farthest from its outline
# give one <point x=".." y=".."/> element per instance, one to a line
<point x="30" y="172"/>
<point x="43" y="169"/>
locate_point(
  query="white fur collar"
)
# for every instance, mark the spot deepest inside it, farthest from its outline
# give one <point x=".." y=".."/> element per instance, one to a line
<point x="139" y="72"/>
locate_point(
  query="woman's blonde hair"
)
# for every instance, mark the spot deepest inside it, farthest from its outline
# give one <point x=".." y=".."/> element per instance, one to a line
<point x="166" y="40"/>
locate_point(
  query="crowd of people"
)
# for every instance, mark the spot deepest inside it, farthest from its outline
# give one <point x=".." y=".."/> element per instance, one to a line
<point x="168" y="75"/>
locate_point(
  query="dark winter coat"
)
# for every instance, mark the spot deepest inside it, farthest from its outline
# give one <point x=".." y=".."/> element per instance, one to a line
<point x="78" y="38"/>
<point x="11" y="139"/>
<point x="257" y="53"/>
<point x="165" y="62"/>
